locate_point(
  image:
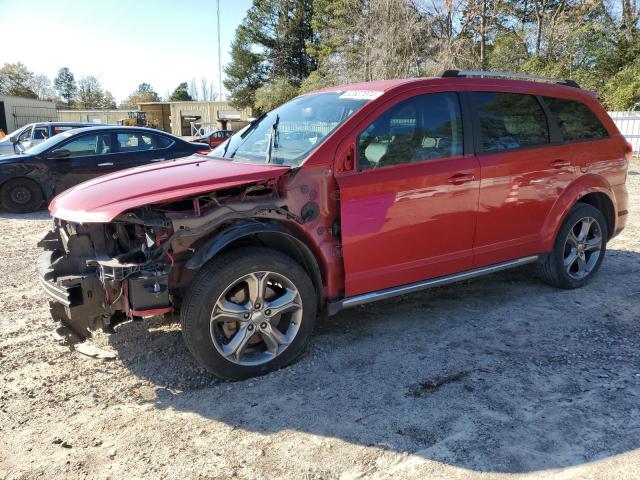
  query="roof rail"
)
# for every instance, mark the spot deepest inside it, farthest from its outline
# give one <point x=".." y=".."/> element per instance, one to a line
<point x="522" y="76"/>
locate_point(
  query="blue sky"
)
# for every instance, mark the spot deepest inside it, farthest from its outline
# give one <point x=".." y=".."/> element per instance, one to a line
<point x="123" y="43"/>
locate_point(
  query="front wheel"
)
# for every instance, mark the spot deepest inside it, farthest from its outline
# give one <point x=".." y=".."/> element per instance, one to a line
<point x="578" y="250"/>
<point x="248" y="312"/>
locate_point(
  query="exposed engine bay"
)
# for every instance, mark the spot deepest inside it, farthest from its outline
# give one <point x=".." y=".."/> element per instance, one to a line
<point x="138" y="264"/>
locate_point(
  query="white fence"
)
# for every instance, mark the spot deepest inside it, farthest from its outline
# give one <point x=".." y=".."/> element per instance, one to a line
<point x="629" y="125"/>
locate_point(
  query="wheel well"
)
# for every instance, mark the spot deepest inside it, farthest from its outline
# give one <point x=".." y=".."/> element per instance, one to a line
<point x="603" y="203"/>
<point x="289" y="246"/>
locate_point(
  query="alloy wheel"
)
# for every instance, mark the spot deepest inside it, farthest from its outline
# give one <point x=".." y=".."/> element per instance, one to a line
<point x="582" y="248"/>
<point x="256" y="318"/>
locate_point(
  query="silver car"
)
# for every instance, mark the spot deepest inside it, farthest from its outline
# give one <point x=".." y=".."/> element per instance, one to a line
<point x="34" y="133"/>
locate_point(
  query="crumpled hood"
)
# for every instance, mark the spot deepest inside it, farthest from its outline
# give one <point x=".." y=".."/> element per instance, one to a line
<point x="103" y="198"/>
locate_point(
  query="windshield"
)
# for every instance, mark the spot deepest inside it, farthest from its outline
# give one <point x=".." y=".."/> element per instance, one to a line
<point x="286" y="135"/>
<point x="49" y="142"/>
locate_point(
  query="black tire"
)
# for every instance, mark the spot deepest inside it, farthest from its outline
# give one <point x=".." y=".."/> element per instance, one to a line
<point x="213" y="280"/>
<point x="552" y="268"/>
<point x="21" y="195"/>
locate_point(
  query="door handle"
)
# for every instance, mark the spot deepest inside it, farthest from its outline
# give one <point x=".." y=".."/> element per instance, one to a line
<point x="106" y="164"/>
<point x="560" y="163"/>
<point x="460" y="178"/>
<point x="157" y="159"/>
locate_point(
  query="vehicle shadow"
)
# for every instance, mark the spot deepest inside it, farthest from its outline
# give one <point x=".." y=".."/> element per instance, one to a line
<point x="39" y="215"/>
<point x="499" y="374"/>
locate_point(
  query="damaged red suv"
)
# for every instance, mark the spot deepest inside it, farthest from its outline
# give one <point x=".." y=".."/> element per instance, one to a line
<point x="338" y="198"/>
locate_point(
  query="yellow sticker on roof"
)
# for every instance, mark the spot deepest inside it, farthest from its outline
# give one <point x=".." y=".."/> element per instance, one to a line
<point x="361" y="94"/>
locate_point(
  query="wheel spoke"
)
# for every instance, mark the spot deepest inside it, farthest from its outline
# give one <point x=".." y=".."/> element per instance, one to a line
<point x="225" y="311"/>
<point x="593" y="244"/>
<point x="273" y="338"/>
<point x="582" y="265"/>
<point x="238" y="343"/>
<point x="257" y="283"/>
<point x="584" y="229"/>
<point x="286" y="302"/>
<point x="570" y="259"/>
<point x="572" y="240"/>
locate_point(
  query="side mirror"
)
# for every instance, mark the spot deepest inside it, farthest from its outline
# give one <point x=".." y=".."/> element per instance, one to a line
<point x="62" y="153"/>
<point x="13" y="138"/>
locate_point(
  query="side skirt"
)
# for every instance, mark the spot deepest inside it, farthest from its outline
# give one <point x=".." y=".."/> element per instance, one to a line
<point x="335" y="307"/>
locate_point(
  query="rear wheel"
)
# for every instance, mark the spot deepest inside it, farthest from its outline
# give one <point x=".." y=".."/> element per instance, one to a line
<point x="578" y="250"/>
<point x="21" y="195"/>
<point x="248" y="312"/>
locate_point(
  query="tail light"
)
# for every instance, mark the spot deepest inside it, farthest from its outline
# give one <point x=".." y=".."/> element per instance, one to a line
<point x="628" y="148"/>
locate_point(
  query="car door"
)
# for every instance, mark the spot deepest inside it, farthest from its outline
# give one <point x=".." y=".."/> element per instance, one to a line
<point x="408" y="210"/>
<point x="81" y="158"/>
<point x="524" y="168"/>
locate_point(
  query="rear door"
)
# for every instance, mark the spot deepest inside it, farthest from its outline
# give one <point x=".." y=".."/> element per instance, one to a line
<point x="408" y="210"/>
<point x="524" y="168"/>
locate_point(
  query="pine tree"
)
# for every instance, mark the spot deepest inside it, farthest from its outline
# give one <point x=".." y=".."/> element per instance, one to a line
<point x="65" y="85"/>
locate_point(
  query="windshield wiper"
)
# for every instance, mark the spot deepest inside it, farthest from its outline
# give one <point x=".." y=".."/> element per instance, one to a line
<point x="273" y="139"/>
<point x="251" y="126"/>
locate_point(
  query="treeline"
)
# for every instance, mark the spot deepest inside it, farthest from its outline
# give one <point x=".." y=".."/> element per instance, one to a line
<point x="285" y="47"/>
<point x="87" y="92"/>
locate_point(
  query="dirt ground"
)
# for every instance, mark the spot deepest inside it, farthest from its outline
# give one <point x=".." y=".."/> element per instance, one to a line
<point x="500" y="377"/>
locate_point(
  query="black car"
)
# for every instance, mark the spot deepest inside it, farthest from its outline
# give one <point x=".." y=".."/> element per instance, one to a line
<point x="60" y="162"/>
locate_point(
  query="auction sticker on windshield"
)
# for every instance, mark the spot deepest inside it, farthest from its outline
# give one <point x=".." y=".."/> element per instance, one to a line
<point x="361" y="94"/>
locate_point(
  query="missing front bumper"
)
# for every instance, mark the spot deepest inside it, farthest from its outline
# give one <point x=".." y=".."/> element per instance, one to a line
<point x="79" y="298"/>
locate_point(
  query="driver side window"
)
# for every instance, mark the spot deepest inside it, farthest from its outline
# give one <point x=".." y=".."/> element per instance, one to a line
<point x="88" y="145"/>
<point x="420" y="128"/>
<point x="25" y="136"/>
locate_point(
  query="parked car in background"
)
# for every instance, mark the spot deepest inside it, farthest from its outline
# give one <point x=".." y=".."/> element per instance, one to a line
<point x="74" y="156"/>
<point x="34" y="133"/>
<point x="214" y="139"/>
<point x="339" y="198"/>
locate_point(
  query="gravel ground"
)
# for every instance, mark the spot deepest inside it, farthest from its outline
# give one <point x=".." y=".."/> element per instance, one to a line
<point x="500" y="377"/>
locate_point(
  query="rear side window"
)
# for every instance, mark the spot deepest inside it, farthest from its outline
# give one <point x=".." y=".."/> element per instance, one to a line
<point x="509" y="121"/>
<point x="575" y="119"/>
<point x="420" y="128"/>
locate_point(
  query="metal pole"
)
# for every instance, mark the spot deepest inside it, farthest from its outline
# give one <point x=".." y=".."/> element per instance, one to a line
<point x="219" y="56"/>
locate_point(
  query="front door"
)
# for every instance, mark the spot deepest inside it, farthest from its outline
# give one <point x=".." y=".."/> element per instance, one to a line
<point x="408" y="211"/>
<point x="81" y="158"/>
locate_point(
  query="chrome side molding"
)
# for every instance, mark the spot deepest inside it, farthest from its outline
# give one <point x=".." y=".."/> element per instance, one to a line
<point x="335" y="307"/>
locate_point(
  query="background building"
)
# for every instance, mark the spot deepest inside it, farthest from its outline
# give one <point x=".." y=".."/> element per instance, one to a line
<point x="94" y="116"/>
<point x="15" y="112"/>
<point x="191" y="118"/>
<point x="179" y="118"/>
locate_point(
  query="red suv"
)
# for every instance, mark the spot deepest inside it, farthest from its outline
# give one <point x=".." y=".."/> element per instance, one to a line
<point x="339" y="198"/>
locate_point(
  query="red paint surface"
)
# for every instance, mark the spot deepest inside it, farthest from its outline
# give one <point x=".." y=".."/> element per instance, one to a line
<point x="101" y="199"/>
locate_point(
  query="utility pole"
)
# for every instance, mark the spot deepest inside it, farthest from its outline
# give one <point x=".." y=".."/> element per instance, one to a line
<point x="219" y="56"/>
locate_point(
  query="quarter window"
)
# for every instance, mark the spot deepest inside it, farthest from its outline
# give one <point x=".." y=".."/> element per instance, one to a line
<point x="509" y="121"/>
<point x="575" y="119"/>
<point x="421" y="128"/>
